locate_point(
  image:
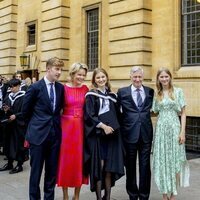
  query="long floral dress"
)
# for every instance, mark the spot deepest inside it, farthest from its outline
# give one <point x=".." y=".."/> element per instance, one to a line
<point x="169" y="157"/>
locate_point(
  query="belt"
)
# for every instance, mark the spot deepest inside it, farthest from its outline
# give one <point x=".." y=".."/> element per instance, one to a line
<point x="76" y="112"/>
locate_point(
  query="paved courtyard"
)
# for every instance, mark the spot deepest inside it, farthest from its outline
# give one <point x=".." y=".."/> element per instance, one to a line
<point x="15" y="186"/>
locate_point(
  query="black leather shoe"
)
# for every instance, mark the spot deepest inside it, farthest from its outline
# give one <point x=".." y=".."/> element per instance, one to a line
<point x="6" y="167"/>
<point x="15" y="170"/>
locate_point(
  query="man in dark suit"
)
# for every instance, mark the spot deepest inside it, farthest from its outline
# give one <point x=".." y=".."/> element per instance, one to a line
<point x="137" y="131"/>
<point x="42" y="105"/>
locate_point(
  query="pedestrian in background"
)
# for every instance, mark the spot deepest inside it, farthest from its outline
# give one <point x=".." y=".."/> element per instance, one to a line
<point x="23" y="85"/>
<point x="170" y="166"/>
<point x="3" y="91"/>
<point x="15" y="128"/>
<point x="33" y="80"/>
<point x="28" y="81"/>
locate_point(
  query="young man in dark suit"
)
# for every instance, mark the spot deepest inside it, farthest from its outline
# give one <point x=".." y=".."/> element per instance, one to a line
<point x="42" y="105"/>
<point x="136" y="128"/>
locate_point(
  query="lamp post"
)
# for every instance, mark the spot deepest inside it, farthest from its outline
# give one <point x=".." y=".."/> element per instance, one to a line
<point x="25" y="60"/>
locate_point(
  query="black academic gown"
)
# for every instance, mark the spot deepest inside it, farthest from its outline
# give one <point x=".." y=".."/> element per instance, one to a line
<point x="92" y="155"/>
<point x="16" y="129"/>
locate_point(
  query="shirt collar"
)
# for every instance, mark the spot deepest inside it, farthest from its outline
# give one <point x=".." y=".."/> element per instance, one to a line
<point x="133" y="88"/>
<point x="102" y="91"/>
<point x="47" y="81"/>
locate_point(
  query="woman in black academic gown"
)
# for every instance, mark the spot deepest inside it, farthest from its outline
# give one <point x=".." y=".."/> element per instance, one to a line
<point x="103" y="145"/>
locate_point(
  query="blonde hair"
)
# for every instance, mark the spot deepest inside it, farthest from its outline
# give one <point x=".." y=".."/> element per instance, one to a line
<point x="159" y="87"/>
<point x="75" y="67"/>
<point x="54" y="62"/>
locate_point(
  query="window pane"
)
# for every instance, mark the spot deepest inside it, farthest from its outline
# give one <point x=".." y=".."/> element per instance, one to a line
<point x="92" y="38"/>
<point x="190" y="32"/>
<point x="31" y="34"/>
<point x="193" y="134"/>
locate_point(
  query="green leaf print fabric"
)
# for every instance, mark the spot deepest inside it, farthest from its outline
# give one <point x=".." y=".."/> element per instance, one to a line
<point x="169" y="157"/>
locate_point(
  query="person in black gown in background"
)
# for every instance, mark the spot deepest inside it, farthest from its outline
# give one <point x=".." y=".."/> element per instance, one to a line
<point x="15" y="128"/>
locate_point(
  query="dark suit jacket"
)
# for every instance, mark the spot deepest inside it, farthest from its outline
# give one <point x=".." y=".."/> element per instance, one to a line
<point x="135" y="122"/>
<point x="38" y="113"/>
<point x="4" y="90"/>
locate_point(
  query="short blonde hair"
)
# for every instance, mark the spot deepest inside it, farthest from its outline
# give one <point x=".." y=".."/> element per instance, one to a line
<point x="54" y="62"/>
<point x="75" y="67"/>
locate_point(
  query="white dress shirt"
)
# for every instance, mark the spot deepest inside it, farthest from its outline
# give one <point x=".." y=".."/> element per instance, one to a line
<point x="104" y="107"/>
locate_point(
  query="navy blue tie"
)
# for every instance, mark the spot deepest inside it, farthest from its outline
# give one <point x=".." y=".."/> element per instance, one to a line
<point x="139" y="99"/>
<point x="52" y="95"/>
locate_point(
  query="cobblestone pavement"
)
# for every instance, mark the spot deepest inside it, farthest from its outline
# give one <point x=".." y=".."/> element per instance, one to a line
<point x="15" y="186"/>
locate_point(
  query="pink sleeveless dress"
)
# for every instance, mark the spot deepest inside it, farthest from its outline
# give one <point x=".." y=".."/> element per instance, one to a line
<point x="70" y="166"/>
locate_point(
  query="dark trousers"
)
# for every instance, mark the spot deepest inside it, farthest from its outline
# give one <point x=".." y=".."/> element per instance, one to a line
<point x="143" y="150"/>
<point x="2" y="136"/>
<point x="47" y="153"/>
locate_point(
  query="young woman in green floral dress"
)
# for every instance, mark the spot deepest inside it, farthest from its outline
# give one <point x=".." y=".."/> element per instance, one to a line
<point x="170" y="166"/>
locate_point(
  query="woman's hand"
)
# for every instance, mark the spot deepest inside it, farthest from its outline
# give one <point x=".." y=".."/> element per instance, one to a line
<point x="107" y="129"/>
<point x="182" y="138"/>
<point x="12" y="117"/>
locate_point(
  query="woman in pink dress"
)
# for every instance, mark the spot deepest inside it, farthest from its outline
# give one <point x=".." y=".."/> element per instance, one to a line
<point x="70" y="167"/>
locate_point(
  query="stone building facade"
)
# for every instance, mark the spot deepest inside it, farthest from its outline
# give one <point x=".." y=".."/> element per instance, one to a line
<point x="113" y="34"/>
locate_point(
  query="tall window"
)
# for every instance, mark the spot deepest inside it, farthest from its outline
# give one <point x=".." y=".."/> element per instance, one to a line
<point x="193" y="134"/>
<point x="190" y="32"/>
<point x="92" y="38"/>
<point x="31" y="34"/>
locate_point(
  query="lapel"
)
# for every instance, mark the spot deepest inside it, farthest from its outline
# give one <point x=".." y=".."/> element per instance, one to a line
<point x="131" y="97"/>
<point x="57" y="91"/>
<point x="46" y="94"/>
<point x="146" y="90"/>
